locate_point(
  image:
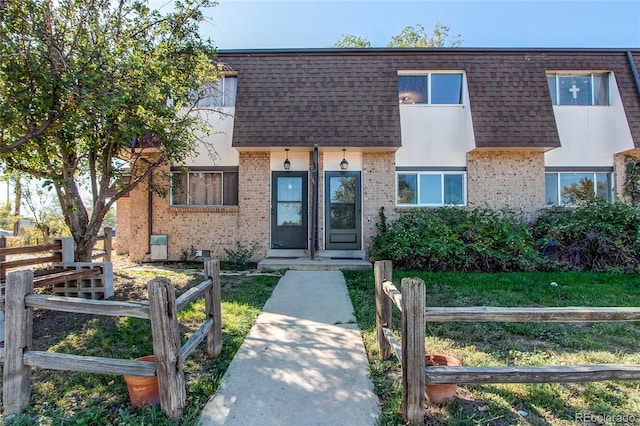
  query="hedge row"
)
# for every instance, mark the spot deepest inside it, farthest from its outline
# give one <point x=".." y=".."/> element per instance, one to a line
<point x="597" y="236"/>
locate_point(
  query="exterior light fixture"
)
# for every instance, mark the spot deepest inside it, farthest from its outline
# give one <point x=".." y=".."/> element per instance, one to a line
<point x="287" y="163"/>
<point x="344" y="164"/>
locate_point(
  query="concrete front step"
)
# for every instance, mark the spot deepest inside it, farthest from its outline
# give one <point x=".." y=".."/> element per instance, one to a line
<point x="317" y="264"/>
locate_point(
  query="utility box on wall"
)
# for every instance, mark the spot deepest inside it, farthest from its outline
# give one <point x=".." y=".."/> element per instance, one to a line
<point x="159" y="247"/>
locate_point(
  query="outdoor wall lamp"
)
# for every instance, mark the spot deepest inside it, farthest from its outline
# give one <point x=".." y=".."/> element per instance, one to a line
<point x="287" y="163"/>
<point x="344" y="164"/>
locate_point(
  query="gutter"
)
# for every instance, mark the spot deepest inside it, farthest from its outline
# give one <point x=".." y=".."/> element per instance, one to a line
<point x="634" y="70"/>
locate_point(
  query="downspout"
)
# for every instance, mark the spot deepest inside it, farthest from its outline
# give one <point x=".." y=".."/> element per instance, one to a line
<point x="634" y="70"/>
<point x="150" y="213"/>
<point x="313" y="245"/>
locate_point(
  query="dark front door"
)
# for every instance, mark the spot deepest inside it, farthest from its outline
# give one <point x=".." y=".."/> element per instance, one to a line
<point x="343" y="211"/>
<point x="289" y="210"/>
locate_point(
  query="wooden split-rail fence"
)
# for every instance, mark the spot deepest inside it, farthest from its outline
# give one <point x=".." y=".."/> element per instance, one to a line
<point x="58" y="251"/>
<point x="58" y="269"/>
<point x="161" y="309"/>
<point x="412" y="299"/>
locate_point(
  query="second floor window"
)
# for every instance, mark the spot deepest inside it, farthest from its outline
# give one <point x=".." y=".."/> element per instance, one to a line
<point x="221" y="93"/>
<point x="430" y="88"/>
<point x="579" y="89"/>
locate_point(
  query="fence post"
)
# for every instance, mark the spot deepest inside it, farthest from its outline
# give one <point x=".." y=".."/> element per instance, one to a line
<point x="413" y="330"/>
<point x="213" y="310"/>
<point x="3" y="276"/>
<point x="108" y="240"/>
<point x="16" y="376"/>
<point x="167" y="347"/>
<point x="383" y="272"/>
<point x="3" y="244"/>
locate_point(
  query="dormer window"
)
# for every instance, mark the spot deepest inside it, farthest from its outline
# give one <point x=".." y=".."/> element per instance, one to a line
<point x="429" y="88"/>
<point x="221" y="93"/>
<point x="579" y="88"/>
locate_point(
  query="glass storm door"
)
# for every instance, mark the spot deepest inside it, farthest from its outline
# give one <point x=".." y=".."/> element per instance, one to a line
<point x="289" y="210"/>
<point x="343" y="211"/>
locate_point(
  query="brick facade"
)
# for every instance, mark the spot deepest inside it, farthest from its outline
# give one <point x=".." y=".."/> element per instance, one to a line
<point x="254" y="202"/>
<point x="619" y="172"/>
<point x="495" y="179"/>
<point x="190" y="229"/>
<point x="123" y="234"/>
<point x="506" y="179"/>
<point x="378" y="190"/>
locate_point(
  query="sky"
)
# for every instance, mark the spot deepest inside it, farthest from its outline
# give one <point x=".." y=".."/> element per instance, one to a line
<point x="264" y="24"/>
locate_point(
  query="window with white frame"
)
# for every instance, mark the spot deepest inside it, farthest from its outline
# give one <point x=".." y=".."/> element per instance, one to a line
<point x="204" y="188"/>
<point x="221" y="93"/>
<point x="431" y="189"/>
<point x="579" y="89"/>
<point x="430" y="88"/>
<point x="574" y="188"/>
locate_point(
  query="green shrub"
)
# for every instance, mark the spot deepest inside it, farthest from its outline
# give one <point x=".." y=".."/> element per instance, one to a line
<point x="598" y="236"/>
<point x="240" y="257"/>
<point x="455" y="239"/>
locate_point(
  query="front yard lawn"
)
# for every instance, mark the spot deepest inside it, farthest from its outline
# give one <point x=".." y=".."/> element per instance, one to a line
<point x="521" y="344"/>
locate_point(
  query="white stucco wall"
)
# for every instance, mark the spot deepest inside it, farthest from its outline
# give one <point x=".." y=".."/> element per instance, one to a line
<point x="219" y="138"/>
<point x="591" y="135"/>
<point x="435" y="135"/>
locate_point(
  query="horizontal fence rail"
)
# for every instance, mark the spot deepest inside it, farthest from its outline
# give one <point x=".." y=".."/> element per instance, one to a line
<point x="411" y="301"/>
<point x="161" y="310"/>
<point x="494" y="314"/>
<point x="112" y="308"/>
<point x="56" y="255"/>
<point x="7" y="251"/>
<point x="545" y="374"/>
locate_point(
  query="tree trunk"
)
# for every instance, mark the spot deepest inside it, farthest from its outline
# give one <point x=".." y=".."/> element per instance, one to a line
<point x="77" y="219"/>
<point x="84" y="246"/>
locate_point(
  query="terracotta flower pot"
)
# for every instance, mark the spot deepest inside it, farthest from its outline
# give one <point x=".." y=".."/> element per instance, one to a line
<point x="143" y="390"/>
<point x="440" y="393"/>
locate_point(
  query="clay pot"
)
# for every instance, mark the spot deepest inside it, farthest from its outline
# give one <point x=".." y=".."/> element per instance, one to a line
<point x="440" y="393"/>
<point x="143" y="390"/>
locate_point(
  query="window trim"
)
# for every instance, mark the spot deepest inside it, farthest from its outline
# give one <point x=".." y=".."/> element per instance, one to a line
<point x="429" y="171"/>
<point x="205" y="170"/>
<point x="591" y="74"/>
<point x="428" y="74"/>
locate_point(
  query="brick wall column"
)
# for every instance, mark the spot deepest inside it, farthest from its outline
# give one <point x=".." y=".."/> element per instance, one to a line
<point x="378" y="190"/>
<point x="254" y="202"/>
<point x="506" y="179"/>
<point x="620" y="175"/>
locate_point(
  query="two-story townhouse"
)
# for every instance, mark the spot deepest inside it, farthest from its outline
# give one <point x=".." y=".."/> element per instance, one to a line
<point x="310" y="144"/>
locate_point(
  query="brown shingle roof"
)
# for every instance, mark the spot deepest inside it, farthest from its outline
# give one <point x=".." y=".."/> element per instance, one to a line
<point x="348" y="97"/>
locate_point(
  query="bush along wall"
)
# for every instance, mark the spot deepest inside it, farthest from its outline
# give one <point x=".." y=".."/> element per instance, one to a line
<point x="597" y="236"/>
<point x="455" y="239"/>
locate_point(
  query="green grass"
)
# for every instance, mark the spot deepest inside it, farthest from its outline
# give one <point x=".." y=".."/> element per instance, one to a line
<point x="69" y="398"/>
<point x="522" y="344"/>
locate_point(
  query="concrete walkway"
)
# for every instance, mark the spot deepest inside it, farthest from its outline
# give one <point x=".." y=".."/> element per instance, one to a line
<point x="302" y="363"/>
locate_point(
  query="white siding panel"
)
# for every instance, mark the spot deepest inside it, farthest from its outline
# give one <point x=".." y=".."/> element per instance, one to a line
<point x="435" y="135"/>
<point x="219" y="138"/>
